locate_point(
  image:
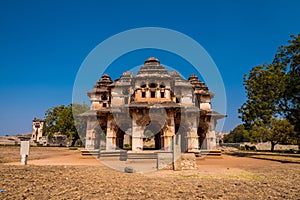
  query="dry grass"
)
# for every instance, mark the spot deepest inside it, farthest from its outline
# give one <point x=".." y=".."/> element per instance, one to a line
<point x="226" y="178"/>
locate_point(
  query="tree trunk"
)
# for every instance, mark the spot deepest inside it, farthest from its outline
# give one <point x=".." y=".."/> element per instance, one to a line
<point x="272" y="146"/>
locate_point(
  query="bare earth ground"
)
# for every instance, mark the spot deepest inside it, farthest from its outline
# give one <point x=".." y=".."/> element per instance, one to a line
<point x="59" y="173"/>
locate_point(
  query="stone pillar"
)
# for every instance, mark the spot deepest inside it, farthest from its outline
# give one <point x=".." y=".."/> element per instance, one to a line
<point x="110" y="134"/>
<point x="147" y="93"/>
<point x="157" y="93"/>
<point x="168" y="143"/>
<point x="138" y="94"/>
<point x="192" y="135"/>
<point x="137" y="135"/>
<point x="211" y="140"/>
<point x="167" y="94"/>
<point x="92" y="125"/>
<point x="169" y="132"/>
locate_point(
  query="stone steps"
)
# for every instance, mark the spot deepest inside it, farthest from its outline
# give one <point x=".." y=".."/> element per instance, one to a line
<point x="208" y="153"/>
<point x="141" y="156"/>
<point x="93" y="152"/>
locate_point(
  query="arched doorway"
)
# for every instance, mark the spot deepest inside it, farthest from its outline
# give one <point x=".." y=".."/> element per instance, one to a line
<point x="153" y="137"/>
<point x="123" y="136"/>
<point x="202" y="130"/>
<point x="120" y="138"/>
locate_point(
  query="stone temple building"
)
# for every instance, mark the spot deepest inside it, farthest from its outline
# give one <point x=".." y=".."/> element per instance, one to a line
<point x="154" y="105"/>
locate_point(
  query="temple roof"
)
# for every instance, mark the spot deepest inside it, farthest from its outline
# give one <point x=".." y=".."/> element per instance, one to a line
<point x="179" y="80"/>
<point x="101" y="85"/>
<point x="124" y="80"/>
<point x="199" y="85"/>
<point x="216" y="115"/>
<point x="103" y="81"/>
<point x="151" y="68"/>
<point x="152" y="60"/>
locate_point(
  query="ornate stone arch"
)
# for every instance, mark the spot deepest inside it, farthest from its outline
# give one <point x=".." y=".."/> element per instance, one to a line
<point x="162" y="85"/>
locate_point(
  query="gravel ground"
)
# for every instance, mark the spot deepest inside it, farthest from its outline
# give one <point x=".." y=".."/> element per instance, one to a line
<point x="226" y="178"/>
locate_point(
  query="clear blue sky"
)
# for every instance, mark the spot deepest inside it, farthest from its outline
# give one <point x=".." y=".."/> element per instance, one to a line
<point x="43" y="43"/>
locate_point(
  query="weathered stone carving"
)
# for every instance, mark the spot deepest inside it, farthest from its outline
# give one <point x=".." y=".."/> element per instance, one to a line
<point x="154" y="105"/>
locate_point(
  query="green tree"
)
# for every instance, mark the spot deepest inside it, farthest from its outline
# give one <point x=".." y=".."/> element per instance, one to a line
<point x="60" y="119"/>
<point x="237" y="135"/>
<point x="273" y="91"/>
<point x="257" y="134"/>
<point x="288" y="58"/>
<point x="264" y="87"/>
<point x="281" y="132"/>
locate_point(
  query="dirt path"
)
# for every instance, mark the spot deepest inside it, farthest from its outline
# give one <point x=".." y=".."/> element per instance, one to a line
<point x="67" y="158"/>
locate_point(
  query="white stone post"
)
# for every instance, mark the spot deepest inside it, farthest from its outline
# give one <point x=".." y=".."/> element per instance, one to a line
<point x="24" y="152"/>
<point x="177" y="152"/>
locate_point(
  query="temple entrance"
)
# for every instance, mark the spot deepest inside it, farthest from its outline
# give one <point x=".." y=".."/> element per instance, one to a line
<point x="153" y="137"/>
<point x="123" y="136"/>
<point x="120" y="139"/>
<point x="202" y="136"/>
<point x="159" y="142"/>
<point x="152" y="141"/>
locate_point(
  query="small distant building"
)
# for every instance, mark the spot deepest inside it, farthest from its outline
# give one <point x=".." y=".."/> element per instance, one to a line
<point x="37" y="129"/>
<point x="38" y="138"/>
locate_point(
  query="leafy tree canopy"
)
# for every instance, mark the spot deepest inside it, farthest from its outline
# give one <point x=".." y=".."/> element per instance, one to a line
<point x="281" y="132"/>
<point x="288" y="58"/>
<point x="60" y="120"/>
<point x="237" y="135"/>
<point x="273" y="93"/>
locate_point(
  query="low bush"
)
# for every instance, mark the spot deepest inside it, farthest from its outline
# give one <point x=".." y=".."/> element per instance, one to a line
<point x="127" y="147"/>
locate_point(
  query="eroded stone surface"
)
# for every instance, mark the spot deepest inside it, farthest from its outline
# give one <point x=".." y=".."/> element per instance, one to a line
<point x="153" y="105"/>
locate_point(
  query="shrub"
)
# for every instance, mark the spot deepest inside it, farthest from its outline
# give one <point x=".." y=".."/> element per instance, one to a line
<point x="127" y="146"/>
<point x="252" y="148"/>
